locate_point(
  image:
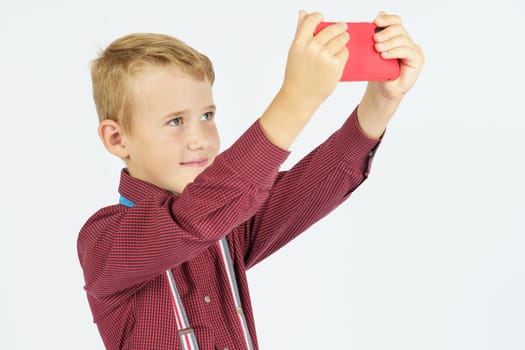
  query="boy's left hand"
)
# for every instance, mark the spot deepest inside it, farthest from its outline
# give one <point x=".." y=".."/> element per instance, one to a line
<point x="382" y="98"/>
<point x="393" y="42"/>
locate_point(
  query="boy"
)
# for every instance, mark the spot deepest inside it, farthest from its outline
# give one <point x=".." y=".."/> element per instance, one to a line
<point x="165" y="268"/>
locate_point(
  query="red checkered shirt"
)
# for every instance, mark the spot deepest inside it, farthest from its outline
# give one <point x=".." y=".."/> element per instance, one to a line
<point x="124" y="251"/>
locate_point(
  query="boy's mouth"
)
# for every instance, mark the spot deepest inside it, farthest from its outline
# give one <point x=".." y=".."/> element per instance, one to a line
<point x="195" y="162"/>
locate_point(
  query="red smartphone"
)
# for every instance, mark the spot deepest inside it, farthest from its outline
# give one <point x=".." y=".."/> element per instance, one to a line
<point x="364" y="62"/>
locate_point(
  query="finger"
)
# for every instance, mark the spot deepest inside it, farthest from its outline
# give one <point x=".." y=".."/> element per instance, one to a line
<point x="392" y="43"/>
<point x="302" y="15"/>
<point x="390" y="32"/>
<point x="342" y="55"/>
<point x="337" y="43"/>
<point x="384" y="20"/>
<point x="330" y="32"/>
<point x="307" y="25"/>
<point x="411" y="56"/>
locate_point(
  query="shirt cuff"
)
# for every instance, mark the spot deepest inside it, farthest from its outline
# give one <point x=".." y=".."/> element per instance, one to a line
<point x="256" y="157"/>
<point x="356" y="149"/>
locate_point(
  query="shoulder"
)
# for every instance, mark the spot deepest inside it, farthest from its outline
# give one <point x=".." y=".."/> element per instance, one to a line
<point x="99" y="223"/>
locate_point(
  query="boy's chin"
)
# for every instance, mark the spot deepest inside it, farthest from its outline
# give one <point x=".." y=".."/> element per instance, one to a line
<point x="184" y="180"/>
<point x="180" y="187"/>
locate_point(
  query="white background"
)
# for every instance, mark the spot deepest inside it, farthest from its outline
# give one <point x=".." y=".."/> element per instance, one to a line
<point x="427" y="254"/>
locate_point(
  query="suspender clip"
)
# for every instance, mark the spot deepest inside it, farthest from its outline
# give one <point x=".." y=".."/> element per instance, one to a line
<point x="185" y="331"/>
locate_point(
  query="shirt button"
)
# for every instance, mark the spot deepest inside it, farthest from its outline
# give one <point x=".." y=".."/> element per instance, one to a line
<point x="207" y="299"/>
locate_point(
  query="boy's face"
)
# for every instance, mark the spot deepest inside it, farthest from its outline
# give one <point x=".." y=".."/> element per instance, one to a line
<point x="173" y="135"/>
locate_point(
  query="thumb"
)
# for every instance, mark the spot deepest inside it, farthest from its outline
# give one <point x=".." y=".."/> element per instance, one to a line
<point x="302" y="15"/>
<point x="309" y="22"/>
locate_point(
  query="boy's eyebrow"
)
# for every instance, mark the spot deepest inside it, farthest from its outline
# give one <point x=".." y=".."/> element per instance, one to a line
<point x="186" y="111"/>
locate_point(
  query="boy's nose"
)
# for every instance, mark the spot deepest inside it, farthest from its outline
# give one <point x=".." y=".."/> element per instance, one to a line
<point x="197" y="139"/>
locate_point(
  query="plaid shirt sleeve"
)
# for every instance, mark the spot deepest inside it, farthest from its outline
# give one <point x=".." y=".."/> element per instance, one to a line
<point x="310" y="190"/>
<point x="121" y="248"/>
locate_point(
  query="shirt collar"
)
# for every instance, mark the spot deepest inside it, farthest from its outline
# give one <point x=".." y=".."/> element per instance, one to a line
<point x="136" y="190"/>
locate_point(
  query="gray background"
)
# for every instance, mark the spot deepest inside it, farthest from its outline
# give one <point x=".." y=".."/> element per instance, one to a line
<point x="427" y="254"/>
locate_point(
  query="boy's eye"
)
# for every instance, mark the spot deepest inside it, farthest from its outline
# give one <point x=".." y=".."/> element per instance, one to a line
<point x="207" y="116"/>
<point x="176" y="121"/>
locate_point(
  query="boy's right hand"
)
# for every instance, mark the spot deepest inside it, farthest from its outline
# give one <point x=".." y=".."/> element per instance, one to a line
<point x="315" y="63"/>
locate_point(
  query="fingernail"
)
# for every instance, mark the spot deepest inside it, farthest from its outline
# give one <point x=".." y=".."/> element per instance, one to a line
<point x="378" y="17"/>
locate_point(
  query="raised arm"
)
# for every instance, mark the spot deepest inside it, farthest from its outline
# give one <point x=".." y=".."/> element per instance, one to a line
<point x="310" y="190"/>
<point x="121" y="247"/>
<point x="328" y="175"/>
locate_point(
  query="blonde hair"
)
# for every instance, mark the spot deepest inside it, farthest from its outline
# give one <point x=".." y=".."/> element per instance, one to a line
<point x="113" y="70"/>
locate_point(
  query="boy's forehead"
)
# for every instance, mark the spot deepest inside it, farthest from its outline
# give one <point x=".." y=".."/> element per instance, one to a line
<point x="169" y="84"/>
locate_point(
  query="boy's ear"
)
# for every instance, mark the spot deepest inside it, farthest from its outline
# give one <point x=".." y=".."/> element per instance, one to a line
<point x="111" y="135"/>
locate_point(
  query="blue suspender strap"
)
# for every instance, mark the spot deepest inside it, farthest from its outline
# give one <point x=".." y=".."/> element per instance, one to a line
<point x="126" y="202"/>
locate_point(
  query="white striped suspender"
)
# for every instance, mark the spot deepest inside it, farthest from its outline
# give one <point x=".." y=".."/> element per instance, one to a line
<point x="186" y="333"/>
<point x="234" y="288"/>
